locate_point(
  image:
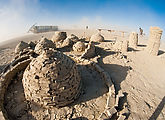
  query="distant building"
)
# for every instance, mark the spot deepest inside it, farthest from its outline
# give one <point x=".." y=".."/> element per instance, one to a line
<point x="40" y="29"/>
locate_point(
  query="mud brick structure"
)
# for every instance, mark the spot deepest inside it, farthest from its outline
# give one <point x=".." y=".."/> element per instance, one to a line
<point x="46" y="82"/>
<point x="79" y="46"/>
<point x="22" y="45"/>
<point x="43" y="44"/>
<point x="133" y="40"/>
<point x="154" y="40"/>
<point x="59" y="36"/>
<point x="52" y="79"/>
<point x="124" y="46"/>
<point x="73" y="37"/>
<point x="97" y="38"/>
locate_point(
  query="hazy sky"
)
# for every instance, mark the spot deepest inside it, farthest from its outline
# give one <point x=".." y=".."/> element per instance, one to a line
<point x="16" y="16"/>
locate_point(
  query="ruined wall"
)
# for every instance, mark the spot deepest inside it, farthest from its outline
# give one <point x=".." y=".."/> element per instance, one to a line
<point x="124" y="46"/>
<point x="154" y="40"/>
<point x="133" y="40"/>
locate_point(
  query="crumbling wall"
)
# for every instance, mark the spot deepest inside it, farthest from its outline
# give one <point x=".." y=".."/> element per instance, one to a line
<point x="154" y="40"/>
<point x="15" y="67"/>
<point x="124" y="46"/>
<point x="133" y="40"/>
<point x="121" y="46"/>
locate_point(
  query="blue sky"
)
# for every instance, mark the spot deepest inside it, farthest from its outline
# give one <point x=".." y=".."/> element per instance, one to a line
<point x="16" y="16"/>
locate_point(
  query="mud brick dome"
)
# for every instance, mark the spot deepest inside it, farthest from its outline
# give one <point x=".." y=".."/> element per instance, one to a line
<point x="79" y="46"/>
<point x="52" y="79"/>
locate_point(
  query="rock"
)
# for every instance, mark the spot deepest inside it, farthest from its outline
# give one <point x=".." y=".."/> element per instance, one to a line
<point x="56" y="78"/>
<point x="97" y="38"/>
<point x="21" y="46"/>
<point x="59" y="36"/>
<point x="44" y="43"/>
<point x="79" y="46"/>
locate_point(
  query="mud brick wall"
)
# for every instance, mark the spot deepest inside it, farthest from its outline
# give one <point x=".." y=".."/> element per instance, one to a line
<point x="133" y="40"/>
<point x="52" y="81"/>
<point x="154" y="40"/>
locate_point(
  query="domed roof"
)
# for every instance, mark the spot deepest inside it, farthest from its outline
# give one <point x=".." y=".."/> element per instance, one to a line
<point x="97" y="38"/>
<point x="42" y="44"/>
<point x="73" y="37"/>
<point x="52" y="79"/>
<point x="79" y="46"/>
<point x="21" y="46"/>
<point x="59" y="36"/>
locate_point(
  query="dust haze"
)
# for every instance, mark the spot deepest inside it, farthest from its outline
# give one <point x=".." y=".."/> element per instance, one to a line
<point x="17" y="16"/>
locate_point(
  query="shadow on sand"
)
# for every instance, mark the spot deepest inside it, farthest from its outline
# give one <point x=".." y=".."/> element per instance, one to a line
<point x="117" y="72"/>
<point x="142" y="45"/>
<point x="131" y="49"/>
<point x="160" y="52"/>
<point x="158" y="110"/>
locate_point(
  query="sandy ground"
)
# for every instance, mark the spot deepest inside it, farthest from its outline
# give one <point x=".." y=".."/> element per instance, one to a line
<point x="140" y="75"/>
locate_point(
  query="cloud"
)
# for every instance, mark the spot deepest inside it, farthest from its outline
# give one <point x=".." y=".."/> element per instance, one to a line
<point x="92" y="22"/>
<point x="15" y="17"/>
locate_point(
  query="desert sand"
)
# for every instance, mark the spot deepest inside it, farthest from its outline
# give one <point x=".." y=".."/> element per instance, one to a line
<point x="138" y="74"/>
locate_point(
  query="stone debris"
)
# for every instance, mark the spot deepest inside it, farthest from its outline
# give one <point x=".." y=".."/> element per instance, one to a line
<point x="113" y="98"/>
<point x="59" y="36"/>
<point x="133" y="40"/>
<point x="22" y="45"/>
<point x="97" y="38"/>
<point x="118" y="96"/>
<point x="111" y="111"/>
<point x="117" y="46"/>
<point x="44" y="43"/>
<point x="103" y="116"/>
<point x="154" y="41"/>
<point x="121" y="117"/>
<point x="52" y="79"/>
<point x="73" y="37"/>
<point x="124" y="47"/>
<point x="67" y="43"/>
<point x="121" y="46"/>
<point x="79" y="46"/>
<point x="89" y="51"/>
